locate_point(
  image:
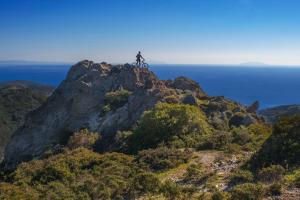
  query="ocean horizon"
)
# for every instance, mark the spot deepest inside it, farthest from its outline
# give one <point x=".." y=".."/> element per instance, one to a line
<point x="270" y="85"/>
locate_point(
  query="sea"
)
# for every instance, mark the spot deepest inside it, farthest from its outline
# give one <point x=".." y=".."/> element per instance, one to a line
<point x="270" y="85"/>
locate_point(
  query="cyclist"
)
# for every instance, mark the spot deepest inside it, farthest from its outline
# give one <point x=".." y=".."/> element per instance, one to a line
<point x="139" y="58"/>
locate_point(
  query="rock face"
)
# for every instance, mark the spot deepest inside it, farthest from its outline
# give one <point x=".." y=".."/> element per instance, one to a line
<point x="81" y="102"/>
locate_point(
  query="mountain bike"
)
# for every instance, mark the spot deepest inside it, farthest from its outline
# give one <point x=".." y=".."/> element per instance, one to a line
<point x="142" y="64"/>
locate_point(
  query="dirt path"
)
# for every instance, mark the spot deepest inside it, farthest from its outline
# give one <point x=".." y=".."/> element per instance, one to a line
<point x="215" y="162"/>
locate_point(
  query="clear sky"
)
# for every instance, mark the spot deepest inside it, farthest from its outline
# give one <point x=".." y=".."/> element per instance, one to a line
<point x="169" y="31"/>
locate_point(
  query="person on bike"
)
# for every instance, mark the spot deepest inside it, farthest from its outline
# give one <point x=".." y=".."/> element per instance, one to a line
<point x="139" y="59"/>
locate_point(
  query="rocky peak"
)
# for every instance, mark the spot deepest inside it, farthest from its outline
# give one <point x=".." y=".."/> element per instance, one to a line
<point x="81" y="101"/>
<point x="127" y="76"/>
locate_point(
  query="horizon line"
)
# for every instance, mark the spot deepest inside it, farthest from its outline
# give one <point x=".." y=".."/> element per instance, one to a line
<point x="246" y="64"/>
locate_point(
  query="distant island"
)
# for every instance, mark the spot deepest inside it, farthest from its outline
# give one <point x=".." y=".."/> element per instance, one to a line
<point x="254" y="64"/>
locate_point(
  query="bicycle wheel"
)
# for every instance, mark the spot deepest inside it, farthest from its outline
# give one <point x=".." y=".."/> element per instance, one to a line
<point x="145" y="65"/>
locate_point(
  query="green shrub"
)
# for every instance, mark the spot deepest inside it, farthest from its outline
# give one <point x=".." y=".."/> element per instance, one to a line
<point x="17" y="192"/>
<point x="275" y="189"/>
<point x="83" y="138"/>
<point x="250" y="138"/>
<point x="120" y="142"/>
<point x="282" y="147"/>
<point x="106" y="108"/>
<point x="116" y="99"/>
<point x="171" y="190"/>
<point x="293" y="179"/>
<point x="172" y="124"/>
<point x="162" y="158"/>
<point x="271" y="174"/>
<point x="296" y="181"/>
<point x="218" y="195"/>
<point x="195" y="174"/>
<point x="240" y="176"/>
<point x="259" y="133"/>
<point x="233" y="149"/>
<point x="79" y="174"/>
<point x="218" y="140"/>
<point x="241" y="136"/>
<point x="146" y="183"/>
<point x="247" y="191"/>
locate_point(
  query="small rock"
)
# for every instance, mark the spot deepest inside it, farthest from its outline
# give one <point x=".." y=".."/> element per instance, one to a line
<point x="253" y="108"/>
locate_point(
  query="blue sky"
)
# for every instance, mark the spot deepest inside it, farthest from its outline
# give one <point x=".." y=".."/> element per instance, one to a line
<point x="169" y="31"/>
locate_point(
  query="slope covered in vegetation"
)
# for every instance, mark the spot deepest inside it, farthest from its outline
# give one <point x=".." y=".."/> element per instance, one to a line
<point x="16" y="100"/>
<point x="165" y="168"/>
<point x="118" y="132"/>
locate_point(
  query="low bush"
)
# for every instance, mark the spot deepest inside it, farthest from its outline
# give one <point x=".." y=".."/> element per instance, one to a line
<point x="218" y="195"/>
<point x="240" y="176"/>
<point x="218" y="140"/>
<point x="252" y="137"/>
<point x="282" y="147"/>
<point x="171" y="190"/>
<point x="275" y="189"/>
<point x="146" y="183"/>
<point x="16" y="192"/>
<point x="79" y="174"/>
<point x="195" y="173"/>
<point x="293" y="179"/>
<point x="163" y="158"/>
<point x="120" y="141"/>
<point x="241" y="136"/>
<point x="83" y="138"/>
<point x="247" y="191"/>
<point x="116" y="99"/>
<point x="233" y="149"/>
<point x="258" y="134"/>
<point x="271" y="174"/>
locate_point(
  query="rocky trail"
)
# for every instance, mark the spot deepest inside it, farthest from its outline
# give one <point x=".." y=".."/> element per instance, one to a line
<point x="216" y="163"/>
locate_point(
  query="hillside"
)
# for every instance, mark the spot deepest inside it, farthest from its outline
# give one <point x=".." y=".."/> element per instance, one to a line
<point x="106" y="99"/>
<point x="273" y="114"/>
<point x="119" y="132"/>
<point x="17" y="98"/>
<point x="38" y="88"/>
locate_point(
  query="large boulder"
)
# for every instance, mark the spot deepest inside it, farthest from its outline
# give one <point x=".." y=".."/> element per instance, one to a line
<point x="184" y="83"/>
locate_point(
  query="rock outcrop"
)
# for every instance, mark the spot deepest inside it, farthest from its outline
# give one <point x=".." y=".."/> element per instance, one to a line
<point x="253" y="108"/>
<point x="81" y="102"/>
<point x="78" y="103"/>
